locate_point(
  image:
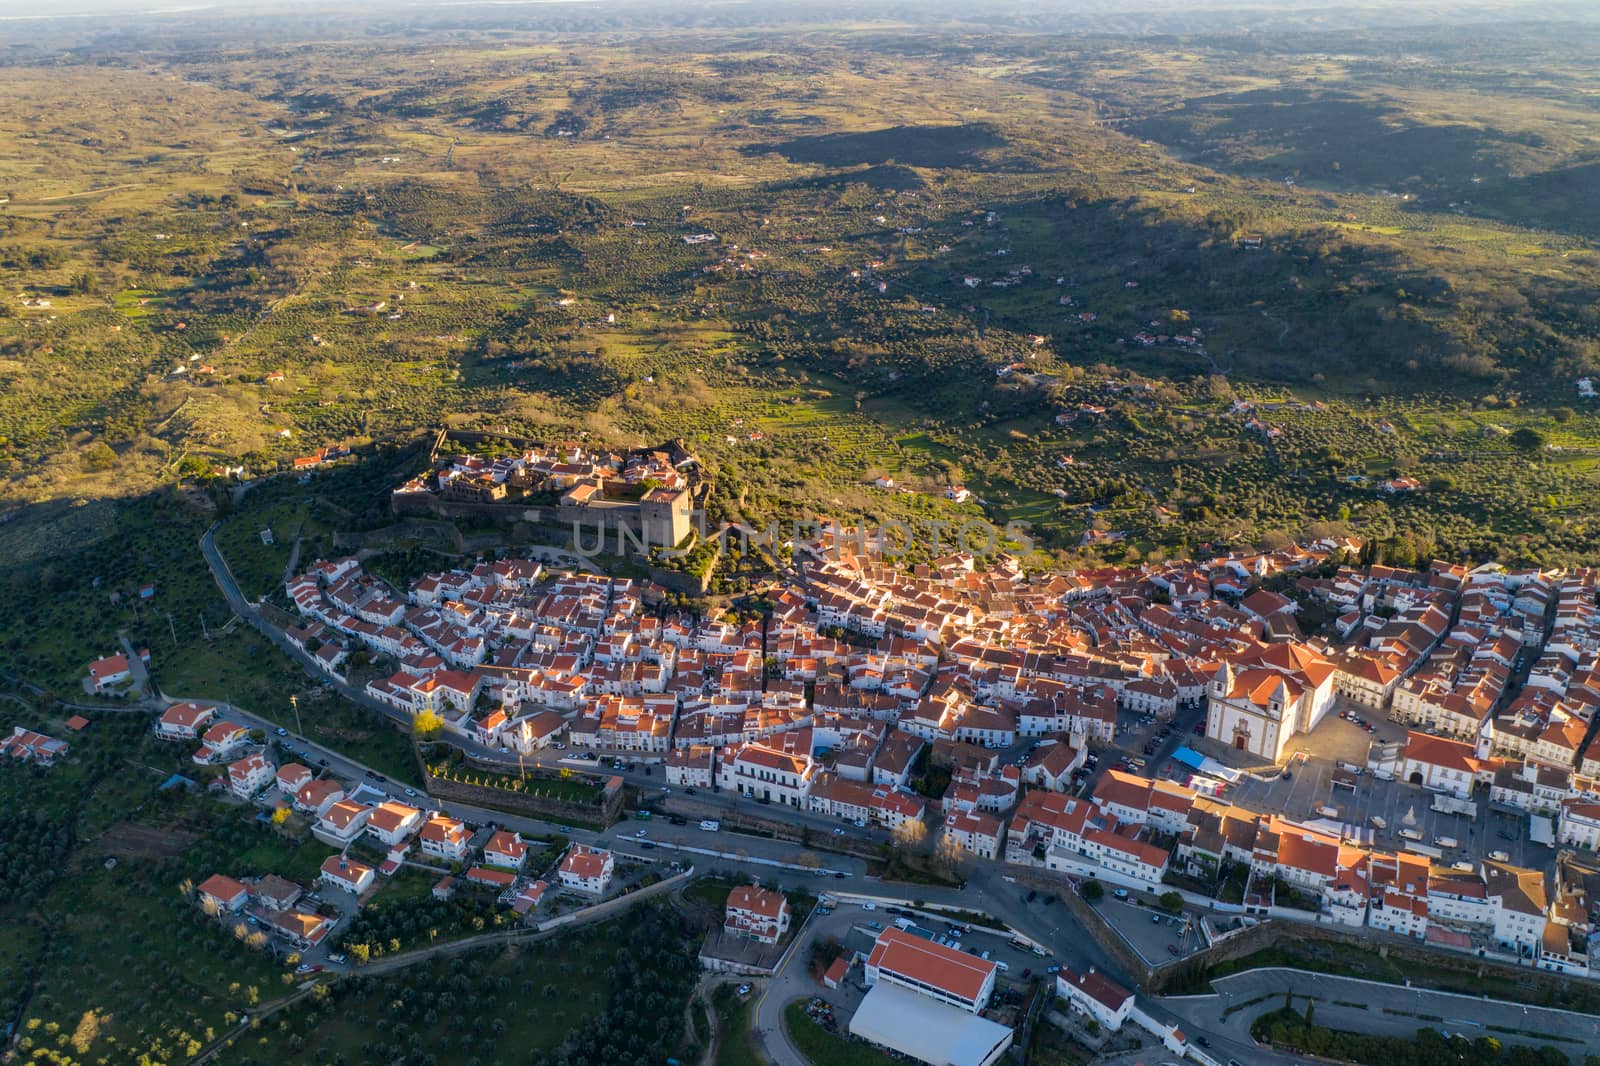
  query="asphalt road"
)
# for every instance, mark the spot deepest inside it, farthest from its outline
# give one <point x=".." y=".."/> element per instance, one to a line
<point x="248" y="611"/>
<point x="1388" y="1010"/>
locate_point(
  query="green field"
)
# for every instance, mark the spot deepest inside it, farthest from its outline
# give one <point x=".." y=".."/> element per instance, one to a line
<point x="828" y="1049"/>
<point x="1422" y="261"/>
<point x="602" y="994"/>
<point x="121" y="963"/>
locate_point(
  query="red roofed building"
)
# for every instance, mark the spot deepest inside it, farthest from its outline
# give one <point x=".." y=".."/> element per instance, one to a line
<point x="505" y="849"/>
<point x="943" y="974"/>
<point x="343" y="821"/>
<point x="346" y="874"/>
<point x="220" y="742"/>
<point x="490" y="877"/>
<point x="1096" y="995"/>
<point x="109" y="672"/>
<point x="1369" y="680"/>
<point x="587" y="870"/>
<point x="1267" y="696"/>
<point x="1142" y="801"/>
<point x="392" y="821"/>
<point x="292" y="777"/>
<point x="250" y="775"/>
<point x="444" y="838"/>
<point x="979" y="834"/>
<point x="756" y="913"/>
<point x="1441" y="764"/>
<point x="768" y="774"/>
<point x="28" y="746"/>
<point x="224" y="894"/>
<point x="316" y="797"/>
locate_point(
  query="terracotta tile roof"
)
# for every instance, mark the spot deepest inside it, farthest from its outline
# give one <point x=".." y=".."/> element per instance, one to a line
<point x="955" y="972"/>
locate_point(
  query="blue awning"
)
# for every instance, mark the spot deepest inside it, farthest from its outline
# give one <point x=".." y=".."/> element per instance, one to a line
<point x="1189" y="757"/>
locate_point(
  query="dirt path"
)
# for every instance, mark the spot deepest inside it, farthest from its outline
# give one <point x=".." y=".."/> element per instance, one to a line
<point x="86" y="192"/>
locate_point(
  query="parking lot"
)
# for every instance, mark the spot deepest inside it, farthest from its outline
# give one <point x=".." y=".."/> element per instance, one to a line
<point x="1306" y="785"/>
<point x="1148" y="738"/>
<point x="1157" y="936"/>
<point x="856" y="928"/>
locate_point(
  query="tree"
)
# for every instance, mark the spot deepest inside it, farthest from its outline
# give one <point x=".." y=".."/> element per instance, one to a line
<point x="949" y="854"/>
<point x="426" y="725"/>
<point x="1528" y="439"/>
<point x="1091" y="891"/>
<point x="1171" y="902"/>
<point x="911" y="833"/>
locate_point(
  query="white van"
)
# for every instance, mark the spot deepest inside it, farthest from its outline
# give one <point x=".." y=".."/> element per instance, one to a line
<point x="1446" y="842"/>
<point x="1378" y="823"/>
<point x="1410" y="834"/>
<point x="710" y="825"/>
<point x="1000" y="965"/>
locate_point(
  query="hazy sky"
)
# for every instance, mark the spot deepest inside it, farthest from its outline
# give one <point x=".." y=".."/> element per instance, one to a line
<point x="1376" y="10"/>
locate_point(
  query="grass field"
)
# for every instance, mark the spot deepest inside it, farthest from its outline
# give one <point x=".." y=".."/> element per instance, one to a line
<point x="880" y="258"/>
<point x="735" y="1017"/>
<point x="245" y="670"/>
<point x="619" y="985"/>
<point x="122" y="963"/>
<point x="828" y="1049"/>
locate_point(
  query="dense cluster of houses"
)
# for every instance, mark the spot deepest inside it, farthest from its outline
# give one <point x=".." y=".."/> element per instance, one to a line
<point x="864" y="674"/>
<point x="277" y="906"/>
<point x="488" y="860"/>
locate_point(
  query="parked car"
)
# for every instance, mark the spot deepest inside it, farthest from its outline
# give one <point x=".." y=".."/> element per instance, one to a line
<point x="281" y="731"/>
<point x="641" y="833"/>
